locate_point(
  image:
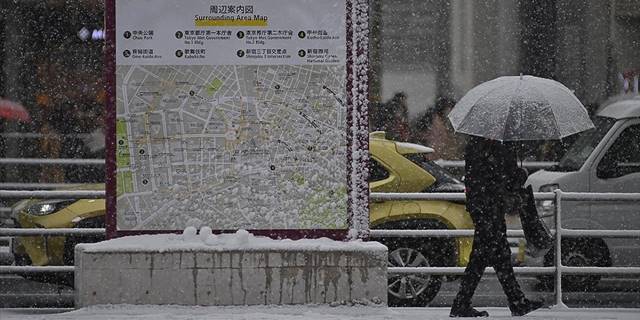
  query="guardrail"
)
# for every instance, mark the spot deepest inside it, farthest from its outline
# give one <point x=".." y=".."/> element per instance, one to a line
<point x="53" y="194"/>
<point x="36" y="186"/>
<point x="558" y="196"/>
<point x="20" y="232"/>
<point x="526" y="164"/>
<point x="48" y="161"/>
<point x="94" y="162"/>
<point x="35" y="135"/>
<point x="34" y="269"/>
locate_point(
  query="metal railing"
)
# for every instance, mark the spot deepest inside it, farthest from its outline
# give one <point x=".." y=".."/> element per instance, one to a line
<point x="22" y="232"/>
<point x="36" y="135"/>
<point x="36" y="185"/>
<point x="52" y="194"/>
<point x="49" y="161"/>
<point x="558" y="196"/>
<point x="525" y="164"/>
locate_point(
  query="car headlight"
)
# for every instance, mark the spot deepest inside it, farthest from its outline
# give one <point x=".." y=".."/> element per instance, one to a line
<point x="546" y="208"/>
<point x="46" y="207"/>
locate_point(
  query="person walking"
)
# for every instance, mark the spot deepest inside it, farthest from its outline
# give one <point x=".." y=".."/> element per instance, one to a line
<point x="491" y="175"/>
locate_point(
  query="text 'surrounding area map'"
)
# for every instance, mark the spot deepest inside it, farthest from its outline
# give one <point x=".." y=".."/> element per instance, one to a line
<point x="231" y="114"/>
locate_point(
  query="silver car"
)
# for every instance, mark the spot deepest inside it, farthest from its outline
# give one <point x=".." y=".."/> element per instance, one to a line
<point x="605" y="159"/>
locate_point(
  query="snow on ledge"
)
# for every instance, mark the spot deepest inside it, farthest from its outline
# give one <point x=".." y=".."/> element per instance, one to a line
<point x="242" y="240"/>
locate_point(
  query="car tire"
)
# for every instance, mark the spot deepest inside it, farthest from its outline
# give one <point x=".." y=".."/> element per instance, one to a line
<point x="415" y="290"/>
<point x="580" y="252"/>
<point x="438" y="252"/>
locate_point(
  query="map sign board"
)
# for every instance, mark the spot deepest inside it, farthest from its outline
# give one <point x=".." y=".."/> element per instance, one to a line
<point x="230" y="114"/>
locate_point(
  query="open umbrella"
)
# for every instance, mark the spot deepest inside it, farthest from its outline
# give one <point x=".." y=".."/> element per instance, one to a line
<point x="518" y="108"/>
<point x="13" y="111"/>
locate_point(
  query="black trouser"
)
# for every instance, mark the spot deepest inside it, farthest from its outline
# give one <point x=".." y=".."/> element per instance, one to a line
<point x="490" y="248"/>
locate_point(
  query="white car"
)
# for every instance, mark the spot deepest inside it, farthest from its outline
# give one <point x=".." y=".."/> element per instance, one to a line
<point x="606" y="159"/>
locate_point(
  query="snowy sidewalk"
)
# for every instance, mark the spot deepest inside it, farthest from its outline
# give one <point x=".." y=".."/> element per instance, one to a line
<point x="129" y="312"/>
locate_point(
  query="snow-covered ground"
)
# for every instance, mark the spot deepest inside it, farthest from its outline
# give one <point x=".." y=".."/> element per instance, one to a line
<point x="129" y="312"/>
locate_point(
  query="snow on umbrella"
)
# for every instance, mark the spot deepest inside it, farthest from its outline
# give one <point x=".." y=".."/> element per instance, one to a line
<point x="13" y="111"/>
<point x="515" y="108"/>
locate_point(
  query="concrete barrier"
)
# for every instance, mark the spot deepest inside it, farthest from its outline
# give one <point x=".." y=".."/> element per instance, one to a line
<point x="209" y="275"/>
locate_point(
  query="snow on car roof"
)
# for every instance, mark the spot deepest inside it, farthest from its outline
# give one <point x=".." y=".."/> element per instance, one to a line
<point x="406" y="148"/>
<point x="620" y="109"/>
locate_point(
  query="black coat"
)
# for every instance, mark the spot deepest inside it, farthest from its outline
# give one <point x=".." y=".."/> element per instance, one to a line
<point x="491" y="172"/>
<point x="491" y="175"/>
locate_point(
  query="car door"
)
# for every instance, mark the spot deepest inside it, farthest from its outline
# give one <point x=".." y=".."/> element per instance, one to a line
<point x="618" y="170"/>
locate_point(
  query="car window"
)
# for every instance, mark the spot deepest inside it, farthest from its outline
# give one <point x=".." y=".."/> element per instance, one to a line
<point x="583" y="147"/>
<point x="624" y="155"/>
<point x="445" y="181"/>
<point x="376" y="171"/>
<point x="438" y="172"/>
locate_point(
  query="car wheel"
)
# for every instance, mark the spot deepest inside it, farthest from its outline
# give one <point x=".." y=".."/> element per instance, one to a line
<point x="579" y="252"/>
<point x="411" y="289"/>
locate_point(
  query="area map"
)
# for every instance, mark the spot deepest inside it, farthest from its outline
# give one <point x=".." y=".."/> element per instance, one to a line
<point x="231" y="146"/>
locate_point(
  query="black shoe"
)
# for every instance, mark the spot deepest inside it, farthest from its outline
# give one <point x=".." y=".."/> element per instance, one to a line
<point x="467" y="312"/>
<point x="525" y="306"/>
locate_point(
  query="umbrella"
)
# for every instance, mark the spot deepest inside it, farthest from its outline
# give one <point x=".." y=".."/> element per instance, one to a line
<point x="518" y="108"/>
<point x="13" y="111"/>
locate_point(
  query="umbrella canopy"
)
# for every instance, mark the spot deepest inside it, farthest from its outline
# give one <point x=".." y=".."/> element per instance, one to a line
<point x="516" y="108"/>
<point x="13" y="111"/>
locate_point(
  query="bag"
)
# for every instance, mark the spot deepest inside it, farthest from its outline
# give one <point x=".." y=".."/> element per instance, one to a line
<point x="535" y="230"/>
